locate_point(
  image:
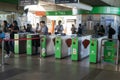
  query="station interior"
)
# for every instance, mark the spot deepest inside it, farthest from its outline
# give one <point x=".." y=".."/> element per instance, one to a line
<point x="59" y="39"/>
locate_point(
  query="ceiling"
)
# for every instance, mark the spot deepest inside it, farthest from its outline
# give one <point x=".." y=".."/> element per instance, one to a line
<point x="50" y="4"/>
<point x="95" y="2"/>
<point x="10" y="1"/>
<point x="115" y="3"/>
<point x="89" y="2"/>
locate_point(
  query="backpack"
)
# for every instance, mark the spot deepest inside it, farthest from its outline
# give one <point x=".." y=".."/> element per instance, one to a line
<point x="112" y="31"/>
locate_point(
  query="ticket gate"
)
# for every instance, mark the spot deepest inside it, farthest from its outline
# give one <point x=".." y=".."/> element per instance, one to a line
<point x="80" y="47"/>
<point x="19" y="45"/>
<point x="93" y="51"/>
<point x="47" y="45"/>
<point x="110" y="51"/>
<point x="95" y="44"/>
<point x="62" y="44"/>
<point x="31" y="44"/>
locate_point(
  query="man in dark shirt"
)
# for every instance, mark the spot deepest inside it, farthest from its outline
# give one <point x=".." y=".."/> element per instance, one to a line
<point x="111" y="32"/>
<point x="13" y="30"/>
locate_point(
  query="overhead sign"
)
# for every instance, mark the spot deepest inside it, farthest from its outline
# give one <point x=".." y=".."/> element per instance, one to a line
<point x="65" y="1"/>
<point x="27" y="2"/>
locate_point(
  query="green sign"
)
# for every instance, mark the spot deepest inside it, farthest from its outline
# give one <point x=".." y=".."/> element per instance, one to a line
<point x="55" y="13"/>
<point x="29" y="45"/>
<point x="16" y="45"/>
<point x="75" y="53"/>
<point x="43" y="46"/>
<point x="93" y="51"/>
<point x="109" y="51"/>
<point x="58" y="45"/>
<point x="102" y="10"/>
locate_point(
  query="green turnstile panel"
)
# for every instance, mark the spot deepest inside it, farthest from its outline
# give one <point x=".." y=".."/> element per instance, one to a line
<point x="29" y="45"/>
<point x="93" y="51"/>
<point x="16" y="45"/>
<point x="109" y="51"/>
<point x="58" y="45"/>
<point x="43" y="46"/>
<point x="75" y="53"/>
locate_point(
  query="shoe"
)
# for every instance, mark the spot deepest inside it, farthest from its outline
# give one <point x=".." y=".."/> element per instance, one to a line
<point x="10" y="54"/>
<point x="6" y="56"/>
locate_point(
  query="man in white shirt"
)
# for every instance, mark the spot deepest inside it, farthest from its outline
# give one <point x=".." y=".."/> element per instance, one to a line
<point x="43" y="28"/>
<point x="59" y="28"/>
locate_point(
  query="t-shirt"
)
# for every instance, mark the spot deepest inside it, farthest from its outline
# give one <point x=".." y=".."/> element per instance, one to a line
<point x="59" y="29"/>
<point x="38" y="28"/>
<point x="12" y="33"/>
<point x="44" y="30"/>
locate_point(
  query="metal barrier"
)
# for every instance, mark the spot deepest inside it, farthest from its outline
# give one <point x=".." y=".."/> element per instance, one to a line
<point x="116" y="46"/>
<point x="3" y="40"/>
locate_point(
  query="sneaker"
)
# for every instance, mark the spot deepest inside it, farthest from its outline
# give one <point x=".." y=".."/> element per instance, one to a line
<point x="6" y="56"/>
<point x="10" y="54"/>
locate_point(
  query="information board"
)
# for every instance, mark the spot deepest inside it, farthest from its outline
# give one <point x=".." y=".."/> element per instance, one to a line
<point x="65" y="1"/>
<point x="27" y="2"/>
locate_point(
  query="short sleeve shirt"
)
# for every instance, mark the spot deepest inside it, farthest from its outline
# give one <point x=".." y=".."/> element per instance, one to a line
<point x="44" y="30"/>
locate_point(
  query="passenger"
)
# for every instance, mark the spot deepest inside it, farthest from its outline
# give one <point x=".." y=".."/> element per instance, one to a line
<point x="13" y="30"/>
<point x="44" y="28"/>
<point x="79" y="30"/>
<point x="96" y="28"/>
<point x="29" y="28"/>
<point x="119" y="33"/>
<point x="37" y="27"/>
<point x="6" y="30"/>
<point x="101" y="31"/>
<point x="111" y="32"/>
<point x="73" y="29"/>
<point x="59" y="28"/>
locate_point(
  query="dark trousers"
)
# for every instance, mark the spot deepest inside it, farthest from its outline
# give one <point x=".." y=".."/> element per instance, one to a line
<point x="7" y="46"/>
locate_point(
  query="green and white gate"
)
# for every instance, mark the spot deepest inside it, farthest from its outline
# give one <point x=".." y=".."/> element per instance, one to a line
<point x="93" y="51"/>
<point x="111" y="50"/>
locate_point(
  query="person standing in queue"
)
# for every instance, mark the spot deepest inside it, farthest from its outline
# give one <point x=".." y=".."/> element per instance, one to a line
<point x="59" y="28"/>
<point x="73" y="29"/>
<point x="101" y="31"/>
<point x="29" y="28"/>
<point x="6" y="31"/>
<point x="43" y="30"/>
<point x="79" y="30"/>
<point x="13" y="30"/>
<point x="96" y="29"/>
<point x="111" y="32"/>
<point x="37" y="27"/>
<point x="119" y="33"/>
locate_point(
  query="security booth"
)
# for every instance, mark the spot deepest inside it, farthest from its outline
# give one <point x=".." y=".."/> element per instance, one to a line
<point x="95" y="44"/>
<point x="47" y="45"/>
<point x="110" y="51"/>
<point x="20" y="45"/>
<point x="80" y="47"/>
<point x="33" y="44"/>
<point x="62" y="44"/>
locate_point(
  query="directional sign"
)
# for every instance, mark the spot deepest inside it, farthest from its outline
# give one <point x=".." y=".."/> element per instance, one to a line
<point x="65" y="1"/>
<point x="27" y="2"/>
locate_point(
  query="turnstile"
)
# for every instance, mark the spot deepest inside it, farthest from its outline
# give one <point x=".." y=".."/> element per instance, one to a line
<point x="31" y="44"/>
<point x="80" y="47"/>
<point x="93" y="51"/>
<point x="19" y="45"/>
<point x="47" y="45"/>
<point x="62" y="44"/>
<point x="110" y="50"/>
<point x="95" y="44"/>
